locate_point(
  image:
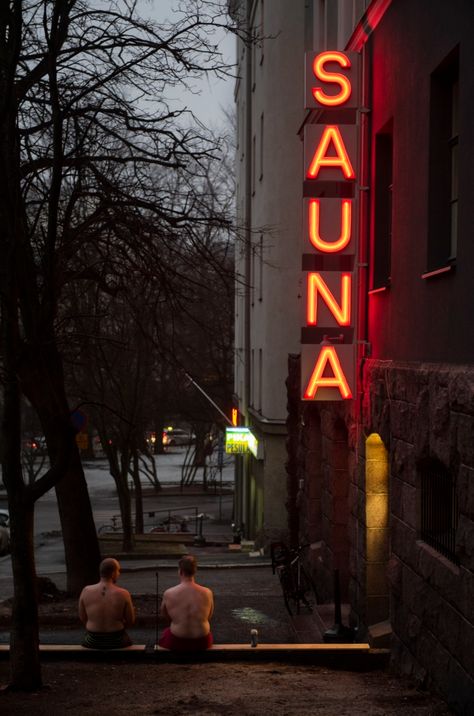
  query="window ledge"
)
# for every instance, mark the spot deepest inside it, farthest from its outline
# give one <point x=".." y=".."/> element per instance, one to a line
<point x="439" y="271"/>
<point x="380" y="289"/>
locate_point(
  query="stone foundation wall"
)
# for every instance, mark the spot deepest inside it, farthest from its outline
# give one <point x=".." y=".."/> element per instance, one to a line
<point x="426" y="412"/>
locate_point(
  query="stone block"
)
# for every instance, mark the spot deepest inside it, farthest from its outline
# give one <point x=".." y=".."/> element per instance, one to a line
<point x="406" y="382"/>
<point x="376" y="476"/>
<point x="409" y="513"/>
<point x="414" y="591"/>
<point x="376" y="579"/>
<point x="421" y="433"/>
<point x="465" y="490"/>
<point x="463" y="598"/>
<point x="378" y="608"/>
<point x="377" y="544"/>
<point x="352" y="498"/>
<point x="465" y="646"/>
<point x="340" y="514"/>
<point x="340" y="484"/>
<point x="403" y="419"/>
<point x="465" y="443"/>
<point x="402" y="459"/>
<point x="394" y="572"/>
<point x="461" y="390"/>
<point x="459" y="689"/>
<point x="396" y="504"/>
<point x="337" y="455"/>
<point x="376" y="510"/>
<point x="439" y="413"/>
<point x="403" y="542"/>
<point x="465" y="542"/>
<point x="314" y="486"/>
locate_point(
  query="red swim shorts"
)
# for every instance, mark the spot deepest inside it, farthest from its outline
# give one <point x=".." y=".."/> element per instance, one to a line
<point x="175" y="643"/>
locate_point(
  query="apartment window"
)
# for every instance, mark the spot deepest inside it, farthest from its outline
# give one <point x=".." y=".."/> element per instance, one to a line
<point x="444" y="164"/>
<point x="382" y="242"/>
<point x="439" y="509"/>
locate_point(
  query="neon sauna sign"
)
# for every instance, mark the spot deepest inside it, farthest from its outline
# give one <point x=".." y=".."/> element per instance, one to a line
<point x="328" y="355"/>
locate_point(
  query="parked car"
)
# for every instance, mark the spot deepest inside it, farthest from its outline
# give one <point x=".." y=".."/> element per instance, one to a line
<point x="4" y="518"/>
<point x="177" y="436"/>
<point x="4" y="532"/>
<point x="36" y="445"/>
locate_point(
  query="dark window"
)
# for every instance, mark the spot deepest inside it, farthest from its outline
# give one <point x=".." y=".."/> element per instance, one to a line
<point x="439" y="509"/>
<point x="443" y="164"/>
<point x="382" y="246"/>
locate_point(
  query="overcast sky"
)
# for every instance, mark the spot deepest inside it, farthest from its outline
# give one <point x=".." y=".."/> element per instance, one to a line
<point x="213" y="95"/>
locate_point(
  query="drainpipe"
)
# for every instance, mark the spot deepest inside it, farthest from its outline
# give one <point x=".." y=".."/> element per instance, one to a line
<point x="248" y="211"/>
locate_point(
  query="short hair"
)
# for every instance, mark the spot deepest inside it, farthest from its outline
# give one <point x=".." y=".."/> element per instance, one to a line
<point x="108" y="567"/>
<point x="188" y="565"/>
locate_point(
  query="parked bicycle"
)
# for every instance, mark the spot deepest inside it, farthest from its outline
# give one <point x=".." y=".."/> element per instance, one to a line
<point x="115" y="525"/>
<point x="296" y="583"/>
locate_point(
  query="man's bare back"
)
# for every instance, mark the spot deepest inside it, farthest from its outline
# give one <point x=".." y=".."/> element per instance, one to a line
<point x="104" y="607"/>
<point x="188" y="606"/>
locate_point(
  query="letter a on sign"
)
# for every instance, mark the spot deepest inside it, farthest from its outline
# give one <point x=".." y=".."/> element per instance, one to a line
<point x="327" y="357"/>
<point x="331" y="137"/>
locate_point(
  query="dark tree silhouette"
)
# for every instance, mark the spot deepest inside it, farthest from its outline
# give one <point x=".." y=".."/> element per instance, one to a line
<point x="84" y="129"/>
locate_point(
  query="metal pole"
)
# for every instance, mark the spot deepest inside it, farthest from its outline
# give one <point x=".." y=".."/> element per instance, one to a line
<point x="220" y="494"/>
<point x="156" y="610"/>
<point x="337" y="599"/>
<point x="208" y="398"/>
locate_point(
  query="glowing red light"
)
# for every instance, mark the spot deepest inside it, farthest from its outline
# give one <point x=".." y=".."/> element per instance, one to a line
<point x="321" y="159"/>
<point x="328" y="356"/>
<point x="331" y="77"/>
<point x="314" y="210"/>
<point x="317" y="286"/>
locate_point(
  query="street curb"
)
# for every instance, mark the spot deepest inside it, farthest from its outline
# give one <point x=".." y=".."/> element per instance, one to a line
<point x="201" y="566"/>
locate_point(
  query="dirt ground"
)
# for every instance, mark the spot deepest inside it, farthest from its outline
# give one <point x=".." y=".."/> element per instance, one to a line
<point x="233" y="689"/>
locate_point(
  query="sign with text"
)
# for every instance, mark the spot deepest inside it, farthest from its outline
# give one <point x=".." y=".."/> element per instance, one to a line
<point x="331" y="172"/>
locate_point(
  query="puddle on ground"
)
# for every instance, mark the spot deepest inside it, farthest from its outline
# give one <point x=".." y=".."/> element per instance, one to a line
<point x="252" y="616"/>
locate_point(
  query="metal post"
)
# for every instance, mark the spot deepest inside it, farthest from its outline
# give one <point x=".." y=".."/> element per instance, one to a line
<point x="157" y="606"/>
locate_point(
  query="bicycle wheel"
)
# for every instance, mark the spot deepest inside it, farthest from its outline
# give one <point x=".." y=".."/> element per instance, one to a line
<point x="285" y="575"/>
<point x="307" y="590"/>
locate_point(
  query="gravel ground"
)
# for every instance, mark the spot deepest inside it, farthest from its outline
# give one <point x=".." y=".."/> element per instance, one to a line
<point x="235" y="689"/>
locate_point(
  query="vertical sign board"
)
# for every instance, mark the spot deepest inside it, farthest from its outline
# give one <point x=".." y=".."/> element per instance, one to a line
<point x="331" y="171"/>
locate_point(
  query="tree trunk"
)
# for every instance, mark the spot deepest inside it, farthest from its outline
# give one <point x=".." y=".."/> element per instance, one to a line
<point x="81" y="545"/>
<point x="138" y="495"/>
<point x="43" y="383"/>
<point x="24" y="636"/>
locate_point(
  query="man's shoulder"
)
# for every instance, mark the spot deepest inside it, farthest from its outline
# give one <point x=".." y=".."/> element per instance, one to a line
<point x="204" y="589"/>
<point x="171" y="590"/>
<point x="89" y="589"/>
<point x="122" y="591"/>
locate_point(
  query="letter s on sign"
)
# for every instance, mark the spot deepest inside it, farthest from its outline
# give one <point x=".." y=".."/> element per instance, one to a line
<point x="331" y="77"/>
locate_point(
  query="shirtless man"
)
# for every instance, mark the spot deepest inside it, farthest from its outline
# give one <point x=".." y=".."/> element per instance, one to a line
<point x="106" y="610"/>
<point x="188" y="607"/>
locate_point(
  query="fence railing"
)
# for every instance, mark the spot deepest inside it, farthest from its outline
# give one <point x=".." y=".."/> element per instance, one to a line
<point x="439" y="511"/>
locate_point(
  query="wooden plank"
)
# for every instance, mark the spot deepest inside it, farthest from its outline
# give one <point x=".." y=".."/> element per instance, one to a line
<point x="72" y="648"/>
<point x="285" y="647"/>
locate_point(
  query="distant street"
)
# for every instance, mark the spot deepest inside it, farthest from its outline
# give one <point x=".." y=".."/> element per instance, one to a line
<point x="49" y="547"/>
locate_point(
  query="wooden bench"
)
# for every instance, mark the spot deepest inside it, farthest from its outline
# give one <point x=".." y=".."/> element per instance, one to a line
<point x="356" y="657"/>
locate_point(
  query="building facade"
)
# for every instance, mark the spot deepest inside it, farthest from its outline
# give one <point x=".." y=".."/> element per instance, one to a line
<point x="381" y="483"/>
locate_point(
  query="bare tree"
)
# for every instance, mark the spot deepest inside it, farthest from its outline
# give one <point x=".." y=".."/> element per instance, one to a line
<point x="83" y="118"/>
